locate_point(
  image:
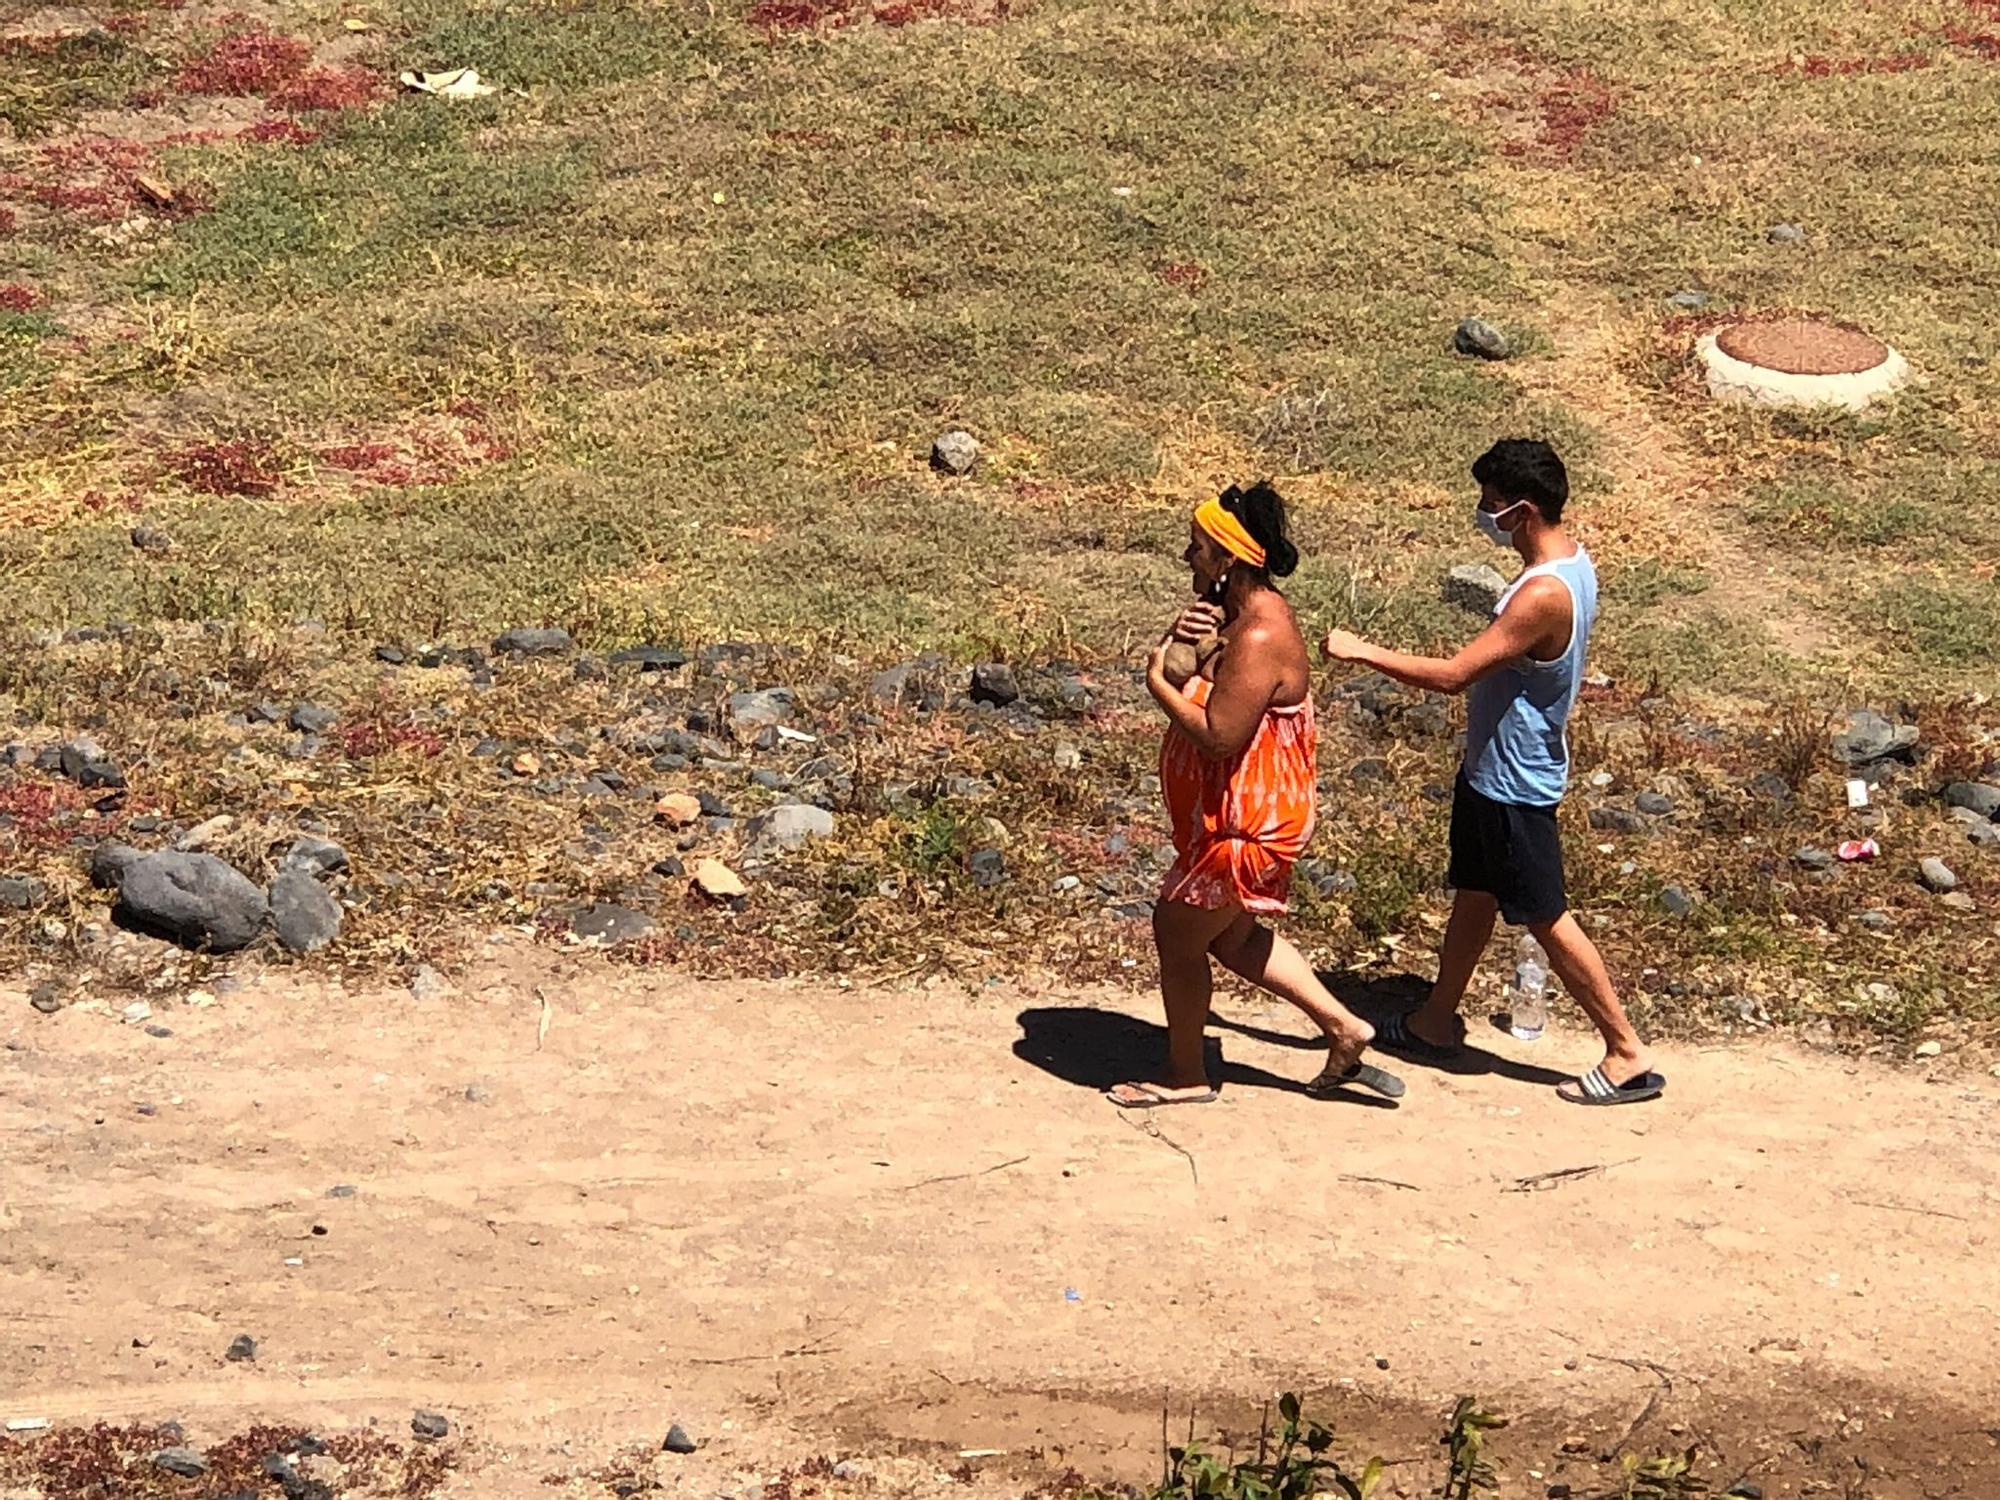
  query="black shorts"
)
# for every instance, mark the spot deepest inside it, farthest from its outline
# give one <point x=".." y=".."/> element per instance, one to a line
<point x="1510" y="851"/>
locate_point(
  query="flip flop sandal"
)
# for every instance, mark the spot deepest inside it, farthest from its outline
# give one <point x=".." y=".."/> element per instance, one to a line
<point x="1152" y="1096"/>
<point x="1597" y="1090"/>
<point x="1394" y="1035"/>
<point x="1359" y="1075"/>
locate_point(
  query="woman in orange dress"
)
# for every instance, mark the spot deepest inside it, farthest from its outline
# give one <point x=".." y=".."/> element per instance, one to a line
<point x="1240" y="782"/>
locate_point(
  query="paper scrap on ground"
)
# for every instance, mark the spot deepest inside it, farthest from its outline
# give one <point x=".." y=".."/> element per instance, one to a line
<point x="459" y="83"/>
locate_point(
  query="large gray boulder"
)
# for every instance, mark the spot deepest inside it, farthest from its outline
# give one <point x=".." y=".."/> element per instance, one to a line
<point x="192" y="899"/>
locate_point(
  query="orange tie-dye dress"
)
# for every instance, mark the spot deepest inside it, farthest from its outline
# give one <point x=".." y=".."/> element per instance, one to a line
<point x="1241" y="824"/>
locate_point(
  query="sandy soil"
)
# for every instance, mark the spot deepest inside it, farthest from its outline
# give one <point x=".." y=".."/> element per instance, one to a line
<point x="890" y="1226"/>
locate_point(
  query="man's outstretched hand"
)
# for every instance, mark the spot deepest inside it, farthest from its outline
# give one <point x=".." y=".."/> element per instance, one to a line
<point x="1343" y="645"/>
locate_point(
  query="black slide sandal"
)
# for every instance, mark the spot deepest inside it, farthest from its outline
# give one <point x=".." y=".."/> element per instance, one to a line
<point x="1595" y="1090"/>
<point x="1394" y="1035"/>
<point x="1360" y="1075"/>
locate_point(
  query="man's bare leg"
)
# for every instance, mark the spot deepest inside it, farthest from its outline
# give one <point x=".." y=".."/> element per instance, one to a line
<point x="1254" y="952"/>
<point x="1577" y="963"/>
<point x="1465" y="938"/>
<point x="1182" y="935"/>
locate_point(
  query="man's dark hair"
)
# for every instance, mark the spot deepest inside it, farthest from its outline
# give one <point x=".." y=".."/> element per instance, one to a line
<point x="1261" y="509"/>
<point x="1525" y="469"/>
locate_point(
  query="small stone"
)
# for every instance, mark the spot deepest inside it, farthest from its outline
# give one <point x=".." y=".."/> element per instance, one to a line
<point x="765" y="709"/>
<point x="478" y="1093"/>
<point x="1786" y="234"/>
<point x="532" y="642"/>
<point x="993" y="682"/>
<point x="1958" y="901"/>
<point x="429" y="1426"/>
<point x="988" y="867"/>
<point x="1688" y="301"/>
<point x="1771" y="787"/>
<point x="159" y="1032"/>
<point x="1068" y="757"/>
<point x="677" y="1441"/>
<point x="1474" y="586"/>
<point x="611" y="925"/>
<point x="47" y="998"/>
<point x="847" y="1471"/>
<point x="789" y="826"/>
<point x="1654" y="804"/>
<point x="185" y="1462"/>
<point x="393" y="656"/>
<point x="192" y="899"/>
<point x="428" y="985"/>
<point x="1381" y="1362"/>
<point x="718" y="882"/>
<point x="670" y="867"/>
<point x="341" y="1190"/>
<point x="241" y="1349"/>
<point x="1064" y="884"/>
<point x="136" y="1013"/>
<point x="678" y="810"/>
<point x="22" y="892"/>
<point x="1813" y="858"/>
<point x="1743" y="1489"/>
<point x="1874" y="921"/>
<point x="1929" y="1049"/>
<point x="1480" y="339"/>
<point x="1937" y="875"/>
<point x="1677" y="902"/>
<point x="1869" y="738"/>
<point x="589" y="669"/>
<point x="1974" y="796"/>
<point x="310" y="718"/>
<point x="316" y="856"/>
<point x="649" y="658"/>
<point x="1616" y="820"/>
<point x="149" y="538"/>
<point x="204" y="833"/>
<point x="303" y="911"/>
<point x="955" y="452"/>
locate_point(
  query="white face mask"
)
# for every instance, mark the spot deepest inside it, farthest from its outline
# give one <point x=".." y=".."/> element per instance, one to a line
<point x="1488" y="521"/>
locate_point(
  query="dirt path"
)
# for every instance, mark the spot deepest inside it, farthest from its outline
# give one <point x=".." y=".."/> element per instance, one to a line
<point x="819" y="1220"/>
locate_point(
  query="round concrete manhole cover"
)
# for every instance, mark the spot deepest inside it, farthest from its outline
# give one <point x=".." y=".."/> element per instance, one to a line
<point x="1799" y="362"/>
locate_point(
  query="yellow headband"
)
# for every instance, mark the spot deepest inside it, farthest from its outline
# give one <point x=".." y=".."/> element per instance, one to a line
<point x="1227" y="530"/>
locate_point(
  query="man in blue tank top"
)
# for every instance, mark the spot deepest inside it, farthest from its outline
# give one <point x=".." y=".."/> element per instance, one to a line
<point x="1521" y="675"/>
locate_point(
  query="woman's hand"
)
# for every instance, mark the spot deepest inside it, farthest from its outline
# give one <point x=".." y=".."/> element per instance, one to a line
<point x="1344" y="645"/>
<point x="1198" y="620"/>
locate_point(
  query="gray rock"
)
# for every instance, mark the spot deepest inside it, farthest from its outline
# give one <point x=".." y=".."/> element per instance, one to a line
<point x="649" y="658"/>
<point x="393" y="656"/>
<point x="532" y="642"/>
<point x="611" y="925"/>
<point x="1678" y="902"/>
<point x="1654" y="804"/>
<point x="767" y="708"/>
<point x="47" y="997"/>
<point x="988" y="868"/>
<point x="303" y="911"/>
<point x="677" y="1440"/>
<point x="1688" y="301"/>
<point x="149" y="538"/>
<point x="955" y="452"/>
<point x="1813" y="858"/>
<point x="1474" y="586"/>
<point x="1616" y="820"/>
<point x="1869" y="738"/>
<point x="1771" y="787"/>
<point x="993" y="682"/>
<point x="311" y="718"/>
<point x="1936" y="875"/>
<point x="1874" y="921"/>
<point x="88" y="766"/>
<point x="22" y="892"/>
<point x="192" y="899"/>
<point x="341" y="1190"/>
<point x="1480" y="339"/>
<point x="1786" y="234"/>
<point x="789" y="826"/>
<point x="1982" y="835"/>
<point x="185" y="1462"/>
<point x="589" y="669"/>
<point x="242" y="1349"/>
<point x="429" y="1426"/>
<point x="316" y="856"/>
<point x="1974" y="796"/>
<point x="478" y="1093"/>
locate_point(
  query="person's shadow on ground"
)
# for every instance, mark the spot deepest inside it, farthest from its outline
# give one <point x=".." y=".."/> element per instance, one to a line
<point x="1096" y="1049"/>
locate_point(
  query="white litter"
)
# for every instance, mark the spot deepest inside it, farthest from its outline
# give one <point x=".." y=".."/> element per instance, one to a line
<point x="27" y="1424"/>
<point x="1857" y="793"/>
<point x="457" y="83"/>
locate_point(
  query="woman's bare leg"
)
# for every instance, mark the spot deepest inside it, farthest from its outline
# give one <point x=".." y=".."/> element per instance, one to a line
<point x="1183" y="934"/>
<point x="1254" y="952"/>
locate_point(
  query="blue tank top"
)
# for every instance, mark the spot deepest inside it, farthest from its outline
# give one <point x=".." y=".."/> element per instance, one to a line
<point x="1517" y="719"/>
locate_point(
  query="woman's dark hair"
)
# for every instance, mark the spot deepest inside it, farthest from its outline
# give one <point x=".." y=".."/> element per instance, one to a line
<point x="1261" y="509"/>
<point x="1525" y="469"/>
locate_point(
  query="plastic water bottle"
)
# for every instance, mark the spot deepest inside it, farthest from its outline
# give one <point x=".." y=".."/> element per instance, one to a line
<point x="1530" y="1012"/>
